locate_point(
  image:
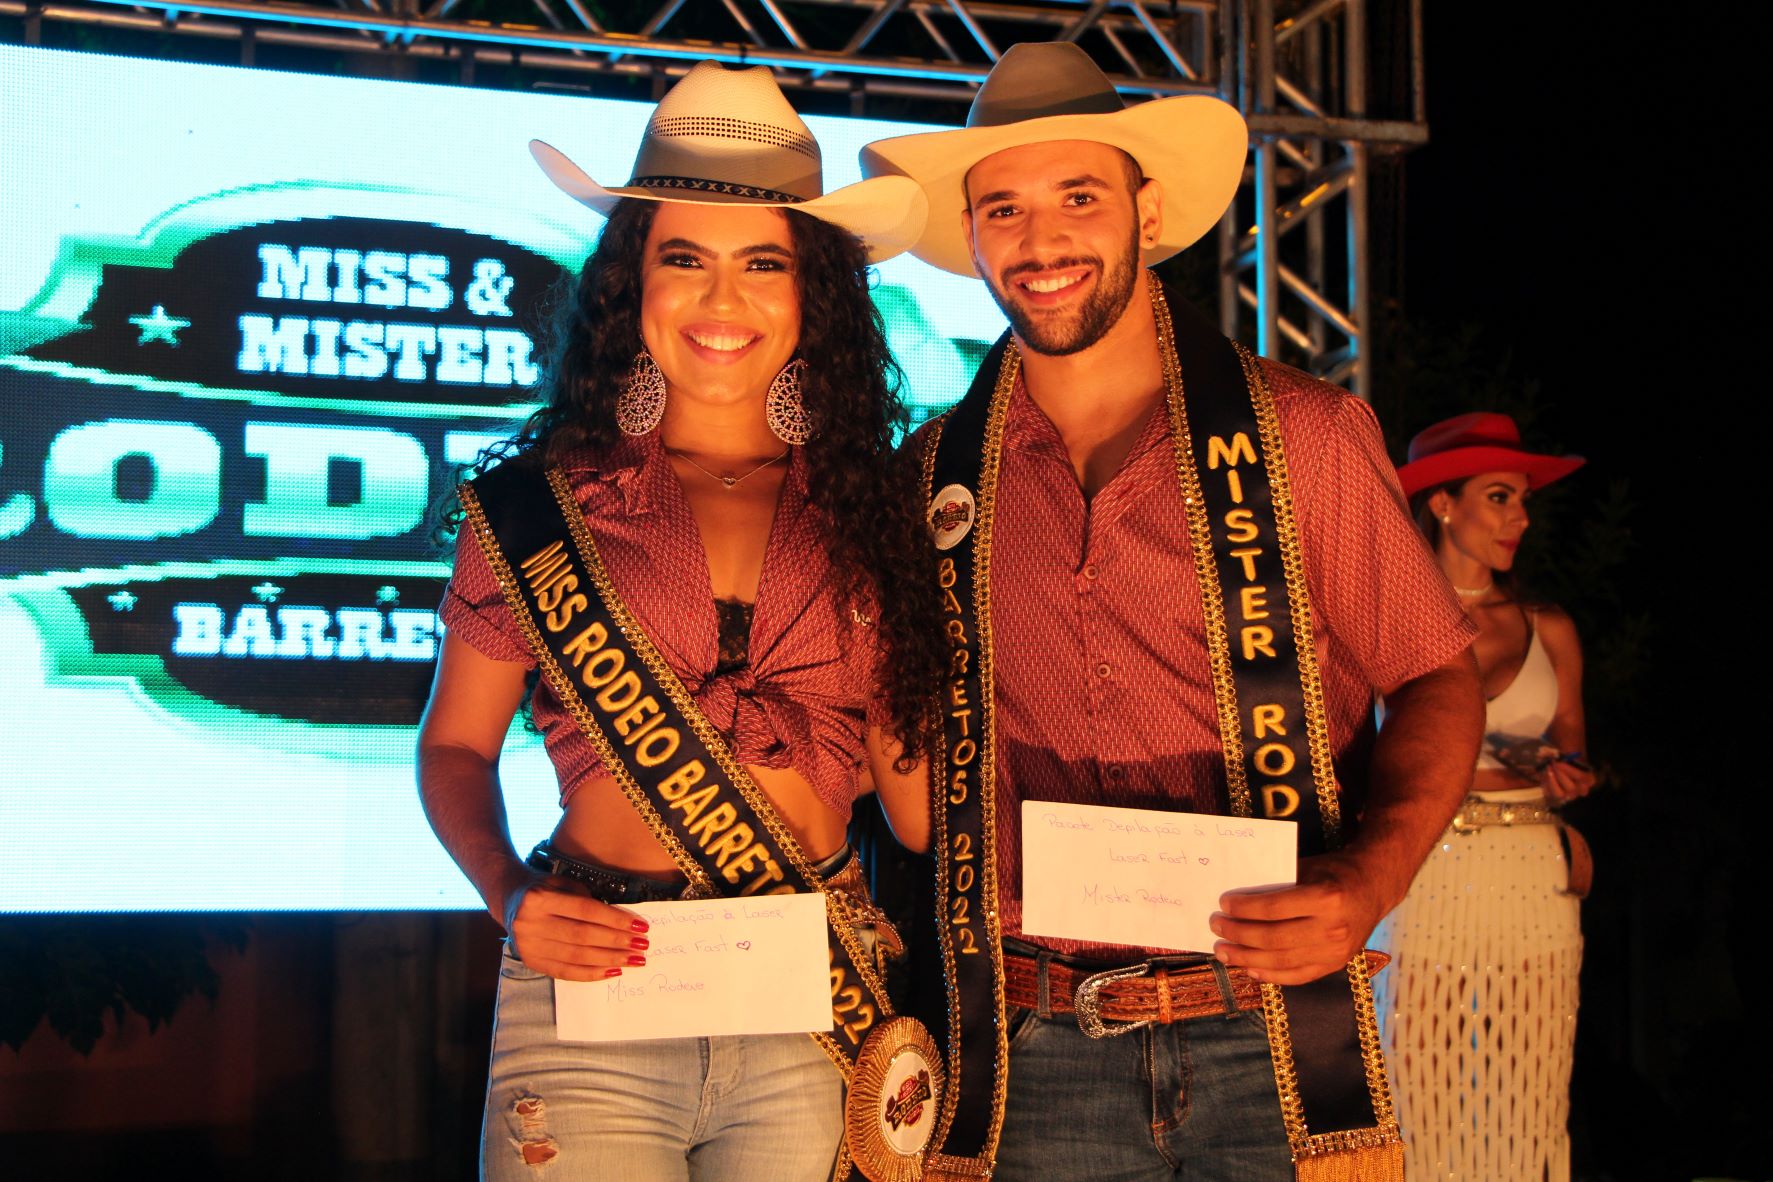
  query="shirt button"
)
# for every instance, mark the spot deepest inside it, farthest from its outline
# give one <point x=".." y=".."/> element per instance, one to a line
<point x="1117" y="773"/>
<point x="1090" y="571"/>
<point x="1103" y="670"/>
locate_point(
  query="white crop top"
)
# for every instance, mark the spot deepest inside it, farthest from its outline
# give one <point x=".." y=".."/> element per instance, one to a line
<point x="1525" y="709"/>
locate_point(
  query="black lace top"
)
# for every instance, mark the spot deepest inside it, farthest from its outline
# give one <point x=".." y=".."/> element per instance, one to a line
<point x="734" y="619"/>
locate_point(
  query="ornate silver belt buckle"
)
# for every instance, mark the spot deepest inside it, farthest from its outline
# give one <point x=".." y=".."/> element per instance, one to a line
<point x="1087" y="1001"/>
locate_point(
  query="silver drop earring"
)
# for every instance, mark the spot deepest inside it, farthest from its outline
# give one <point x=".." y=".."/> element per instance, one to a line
<point x="642" y="402"/>
<point x="784" y="409"/>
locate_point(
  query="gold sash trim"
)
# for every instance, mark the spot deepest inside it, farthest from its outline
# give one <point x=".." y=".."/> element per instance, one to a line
<point x="1312" y="1154"/>
<point x="959" y="934"/>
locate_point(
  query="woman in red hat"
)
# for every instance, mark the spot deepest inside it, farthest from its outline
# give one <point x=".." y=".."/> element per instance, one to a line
<point x="1479" y="1007"/>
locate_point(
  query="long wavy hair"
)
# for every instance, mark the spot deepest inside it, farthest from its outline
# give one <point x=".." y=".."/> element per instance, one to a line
<point x="878" y="546"/>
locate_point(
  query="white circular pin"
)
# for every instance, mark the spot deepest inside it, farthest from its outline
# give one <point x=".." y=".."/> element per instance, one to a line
<point x="951" y="516"/>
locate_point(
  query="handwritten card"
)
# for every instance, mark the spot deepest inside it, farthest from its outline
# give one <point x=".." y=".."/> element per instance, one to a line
<point x="1141" y="877"/>
<point x="757" y="965"/>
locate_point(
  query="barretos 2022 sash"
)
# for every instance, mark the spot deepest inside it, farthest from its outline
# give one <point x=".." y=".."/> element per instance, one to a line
<point x="1323" y="1036"/>
<point x="699" y="802"/>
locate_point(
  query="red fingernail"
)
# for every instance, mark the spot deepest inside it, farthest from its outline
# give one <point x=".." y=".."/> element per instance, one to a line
<point x="639" y="943"/>
<point x="637" y="961"/>
<point x="639" y="925"/>
<point x="612" y="973"/>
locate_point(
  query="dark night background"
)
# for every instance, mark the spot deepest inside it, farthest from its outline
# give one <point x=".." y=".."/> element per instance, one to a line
<point x="1555" y="277"/>
<point x="1545" y="238"/>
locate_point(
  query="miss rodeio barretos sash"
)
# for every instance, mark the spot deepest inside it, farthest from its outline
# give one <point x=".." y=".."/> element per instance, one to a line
<point x="698" y="801"/>
<point x="1323" y="1037"/>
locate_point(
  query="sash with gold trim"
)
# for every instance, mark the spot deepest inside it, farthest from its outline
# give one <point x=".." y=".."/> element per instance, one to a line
<point x="1323" y="1037"/>
<point x="695" y="797"/>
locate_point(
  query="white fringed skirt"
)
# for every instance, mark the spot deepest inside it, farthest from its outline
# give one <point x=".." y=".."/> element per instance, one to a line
<point x="1478" y="1007"/>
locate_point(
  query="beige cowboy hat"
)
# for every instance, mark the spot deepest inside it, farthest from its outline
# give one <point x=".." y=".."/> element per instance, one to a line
<point x="1038" y="92"/>
<point x="726" y="136"/>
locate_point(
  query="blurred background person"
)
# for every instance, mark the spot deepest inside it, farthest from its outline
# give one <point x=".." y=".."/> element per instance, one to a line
<point x="1478" y="1008"/>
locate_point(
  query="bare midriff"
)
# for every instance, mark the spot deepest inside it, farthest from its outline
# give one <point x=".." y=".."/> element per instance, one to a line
<point x="1491" y="779"/>
<point x="600" y="824"/>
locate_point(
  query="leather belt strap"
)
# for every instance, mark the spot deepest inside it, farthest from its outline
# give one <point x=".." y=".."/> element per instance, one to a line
<point x="1165" y="992"/>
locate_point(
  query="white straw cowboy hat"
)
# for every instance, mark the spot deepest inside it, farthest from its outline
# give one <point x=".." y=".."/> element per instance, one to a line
<point x="727" y="136"/>
<point x="1038" y="92"/>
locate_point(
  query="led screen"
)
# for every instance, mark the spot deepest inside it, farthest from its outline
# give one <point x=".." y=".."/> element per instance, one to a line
<point x="252" y="325"/>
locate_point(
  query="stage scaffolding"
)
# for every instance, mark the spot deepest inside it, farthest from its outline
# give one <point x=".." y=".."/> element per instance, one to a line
<point x="1323" y="90"/>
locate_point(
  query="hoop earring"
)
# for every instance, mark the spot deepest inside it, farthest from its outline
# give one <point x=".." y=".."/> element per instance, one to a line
<point x="784" y="408"/>
<point x="642" y="401"/>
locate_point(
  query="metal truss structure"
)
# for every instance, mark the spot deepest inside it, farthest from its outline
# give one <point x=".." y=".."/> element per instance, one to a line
<point x="1293" y="250"/>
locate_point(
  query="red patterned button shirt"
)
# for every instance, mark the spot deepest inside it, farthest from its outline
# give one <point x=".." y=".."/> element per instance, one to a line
<point x="1103" y="691"/>
<point x="804" y="699"/>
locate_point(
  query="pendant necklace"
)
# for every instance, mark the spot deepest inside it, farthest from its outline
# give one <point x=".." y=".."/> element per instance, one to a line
<point x="728" y="481"/>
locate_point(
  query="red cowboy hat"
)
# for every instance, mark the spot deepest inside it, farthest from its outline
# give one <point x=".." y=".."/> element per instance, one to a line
<point x="1466" y="445"/>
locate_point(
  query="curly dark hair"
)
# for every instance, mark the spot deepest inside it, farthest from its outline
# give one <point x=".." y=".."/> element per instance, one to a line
<point x="879" y="548"/>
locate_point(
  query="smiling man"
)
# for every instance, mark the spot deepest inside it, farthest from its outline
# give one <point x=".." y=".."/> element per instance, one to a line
<point x="1177" y="576"/>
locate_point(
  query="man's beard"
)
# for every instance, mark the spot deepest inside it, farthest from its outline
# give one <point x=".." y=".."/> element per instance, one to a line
<point x="1090" y="322"/>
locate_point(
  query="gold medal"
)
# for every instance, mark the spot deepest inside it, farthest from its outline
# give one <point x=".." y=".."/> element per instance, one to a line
<point x="892" y="1106"/>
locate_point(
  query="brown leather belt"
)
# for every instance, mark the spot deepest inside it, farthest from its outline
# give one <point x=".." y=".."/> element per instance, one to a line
<point x="1114" y="1000"/>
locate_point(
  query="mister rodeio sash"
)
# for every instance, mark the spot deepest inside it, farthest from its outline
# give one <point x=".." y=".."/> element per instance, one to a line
<point x="698" y="801"/>
<point x="1273" y="730"/>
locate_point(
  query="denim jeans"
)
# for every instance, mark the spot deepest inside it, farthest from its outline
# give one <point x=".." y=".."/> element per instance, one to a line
<point x="1192" y="1101"/>
<point x="679" y="1109"/>
<point x="747" y="1106"/>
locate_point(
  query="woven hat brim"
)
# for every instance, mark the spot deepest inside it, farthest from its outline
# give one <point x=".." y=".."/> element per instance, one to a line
<point x="1193" y="145"/>
<point x="1461" y="463"/>
<point x="887" y="213"/>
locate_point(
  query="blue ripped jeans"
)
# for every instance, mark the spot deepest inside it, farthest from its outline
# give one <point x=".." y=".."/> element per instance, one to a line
<point x="658" y="1110"/>
<point x="1192" y="1101"/>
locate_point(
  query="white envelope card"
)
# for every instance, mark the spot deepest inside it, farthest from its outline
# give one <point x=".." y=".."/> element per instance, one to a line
<point x="753" y="965"/>
<point x="1142" y="877"/>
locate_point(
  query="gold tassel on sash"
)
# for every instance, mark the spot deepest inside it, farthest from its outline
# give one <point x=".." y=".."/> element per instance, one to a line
<point x="1375" y="1163"/>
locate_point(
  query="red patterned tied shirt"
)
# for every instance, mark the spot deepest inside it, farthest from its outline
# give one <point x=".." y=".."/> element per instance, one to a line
<point x="1103" y="691"/>
<point x="803" y="701"/>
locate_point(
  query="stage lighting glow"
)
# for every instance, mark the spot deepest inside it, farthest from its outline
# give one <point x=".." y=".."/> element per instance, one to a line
<point x="252" y="326"/>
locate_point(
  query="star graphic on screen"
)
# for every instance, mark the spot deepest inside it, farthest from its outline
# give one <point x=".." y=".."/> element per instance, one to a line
<point x="267" y="591"/>
<point x="158" y="326"/>
<point x="122" y="601"/>
<point x="389" y="595"/>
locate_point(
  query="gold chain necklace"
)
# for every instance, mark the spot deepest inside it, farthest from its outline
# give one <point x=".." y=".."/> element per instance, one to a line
<point x="728" y="481"/>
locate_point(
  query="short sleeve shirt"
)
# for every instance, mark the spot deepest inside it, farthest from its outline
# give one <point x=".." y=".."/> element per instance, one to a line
<point x="804" y="699"/>
<point x="1103" y="690"/>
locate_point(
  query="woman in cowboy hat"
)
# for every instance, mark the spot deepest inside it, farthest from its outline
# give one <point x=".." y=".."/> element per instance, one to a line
<point x="1479" y="1008"/>
<point x="720" y="402"/>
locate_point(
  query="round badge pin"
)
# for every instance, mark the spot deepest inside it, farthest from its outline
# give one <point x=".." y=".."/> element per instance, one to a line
<point x="894" y="1097"/>
<point x="951" y="516"/>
